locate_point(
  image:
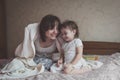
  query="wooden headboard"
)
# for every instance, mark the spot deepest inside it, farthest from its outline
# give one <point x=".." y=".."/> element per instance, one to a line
<point x="100" y="48"/>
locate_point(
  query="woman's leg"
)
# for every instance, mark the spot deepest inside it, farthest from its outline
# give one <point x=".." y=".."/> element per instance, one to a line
<point x="44" y="61"/>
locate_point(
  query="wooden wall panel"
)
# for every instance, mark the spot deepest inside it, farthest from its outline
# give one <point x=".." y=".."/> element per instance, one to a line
<point x="102" y="48"/>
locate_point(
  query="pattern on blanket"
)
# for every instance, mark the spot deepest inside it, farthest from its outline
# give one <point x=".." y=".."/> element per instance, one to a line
<point x="109" y="71"/>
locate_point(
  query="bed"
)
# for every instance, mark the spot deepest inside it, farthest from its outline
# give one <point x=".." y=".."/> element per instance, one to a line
<point x="107" y="52"/>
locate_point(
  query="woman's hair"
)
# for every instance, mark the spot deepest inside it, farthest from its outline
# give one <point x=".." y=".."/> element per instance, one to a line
<point x="47" y="23"/>
<point x="71" y="25"/>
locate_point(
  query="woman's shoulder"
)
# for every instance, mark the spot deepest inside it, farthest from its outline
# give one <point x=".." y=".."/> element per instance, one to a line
<point x="32" y="30"/>
<point x="32" y="26"/>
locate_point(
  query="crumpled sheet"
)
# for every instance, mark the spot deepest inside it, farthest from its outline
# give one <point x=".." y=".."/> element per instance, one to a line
<point x="110" y="70"/>
<point x="21" y="67"/>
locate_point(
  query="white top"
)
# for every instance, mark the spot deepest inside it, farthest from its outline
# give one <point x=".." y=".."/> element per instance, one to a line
<point x="45" y="51"/>
<point x="70" y="49"/>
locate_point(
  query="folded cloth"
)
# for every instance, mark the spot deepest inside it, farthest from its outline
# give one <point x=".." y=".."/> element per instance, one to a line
<point x="19" y="67"/>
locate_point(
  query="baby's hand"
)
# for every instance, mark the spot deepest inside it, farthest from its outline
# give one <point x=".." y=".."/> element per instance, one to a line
<point x="59" y="62"/>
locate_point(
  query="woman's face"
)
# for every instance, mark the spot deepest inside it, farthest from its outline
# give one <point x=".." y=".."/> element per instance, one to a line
<point x="52" y="33"/>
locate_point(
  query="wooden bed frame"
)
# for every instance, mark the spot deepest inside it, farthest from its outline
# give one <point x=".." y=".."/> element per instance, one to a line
<point x="100" y="48"/>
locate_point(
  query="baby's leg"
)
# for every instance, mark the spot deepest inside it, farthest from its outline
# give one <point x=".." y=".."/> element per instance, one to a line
<point x="78" y="71"/>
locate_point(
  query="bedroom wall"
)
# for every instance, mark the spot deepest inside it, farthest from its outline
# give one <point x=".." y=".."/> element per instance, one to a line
<point x="2" y="31"/>
<point x="98" y="20"/>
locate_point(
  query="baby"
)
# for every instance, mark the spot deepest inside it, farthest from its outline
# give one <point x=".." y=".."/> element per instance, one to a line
<point x="71" y="60"/>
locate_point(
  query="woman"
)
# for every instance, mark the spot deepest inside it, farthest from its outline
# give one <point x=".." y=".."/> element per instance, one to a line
<point x="40" y="42"/>
<point x="47" y="43"/>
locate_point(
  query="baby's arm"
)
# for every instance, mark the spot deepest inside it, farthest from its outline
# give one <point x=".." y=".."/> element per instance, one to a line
<point x="69" y="67"/>
<point x="79" y="51"/>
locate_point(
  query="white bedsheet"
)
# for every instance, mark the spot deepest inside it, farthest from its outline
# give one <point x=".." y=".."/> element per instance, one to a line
<point x="110" y="70"/>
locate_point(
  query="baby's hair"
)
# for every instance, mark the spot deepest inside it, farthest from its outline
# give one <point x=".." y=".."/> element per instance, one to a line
<point x="71" y="25"/>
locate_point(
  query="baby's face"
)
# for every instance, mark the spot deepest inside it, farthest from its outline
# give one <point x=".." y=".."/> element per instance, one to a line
<point x="67" y="34"/>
